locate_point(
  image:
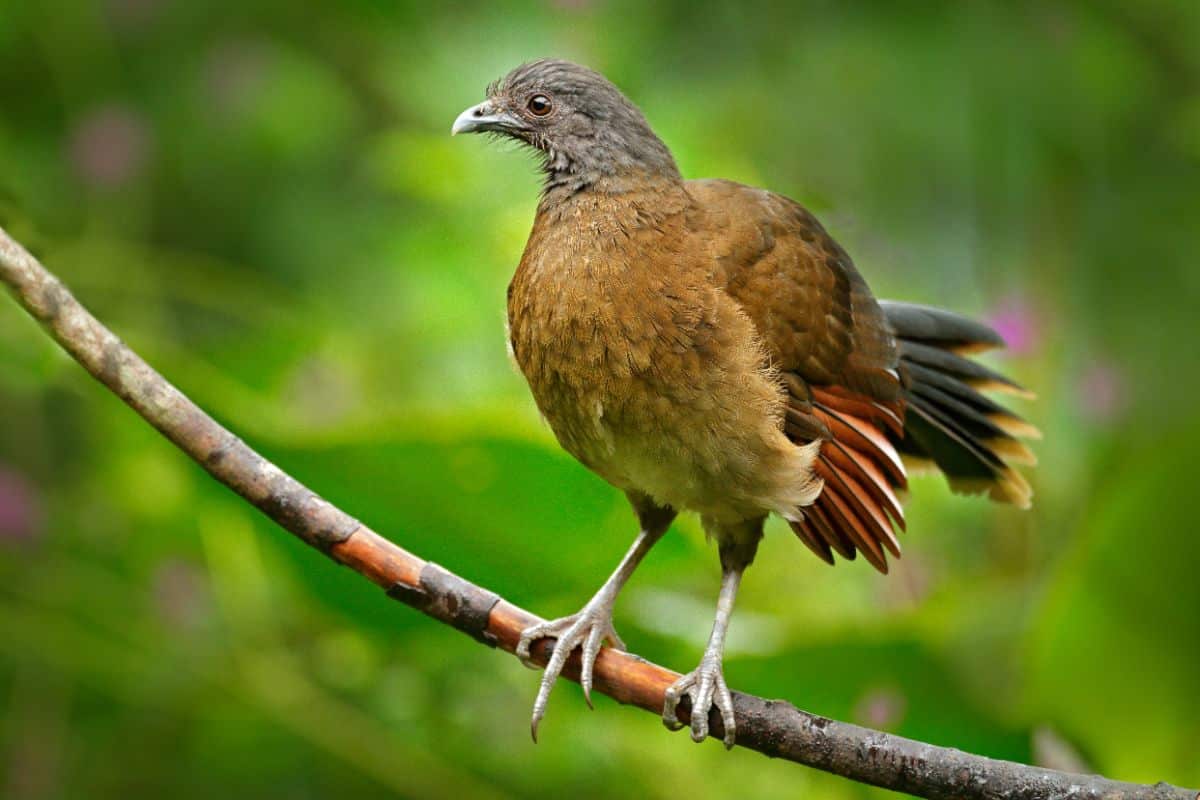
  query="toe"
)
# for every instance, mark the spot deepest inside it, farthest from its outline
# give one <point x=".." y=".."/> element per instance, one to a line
<point x="725" y="703"/>
<point x="567" y="642"/>
<point x="701" y="702"/>
<point x="539" y="705"/>
<point x="527" y="660"/>
<point x="528" y="637"/>
<point x="670" y="703"/>
<point x="590" y="648"/>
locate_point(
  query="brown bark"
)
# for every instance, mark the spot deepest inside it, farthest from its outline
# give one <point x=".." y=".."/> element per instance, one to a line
<point x="772" y="727"/>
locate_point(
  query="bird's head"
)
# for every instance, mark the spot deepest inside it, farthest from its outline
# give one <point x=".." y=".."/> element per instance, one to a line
<point x="582" y="125"/>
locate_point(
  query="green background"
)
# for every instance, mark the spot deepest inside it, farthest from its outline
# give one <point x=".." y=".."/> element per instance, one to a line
<point x="263" y="199"/>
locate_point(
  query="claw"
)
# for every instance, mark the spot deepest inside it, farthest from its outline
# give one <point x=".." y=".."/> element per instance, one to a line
<point x="706" y="687"/>
<point x="586" y="630"/>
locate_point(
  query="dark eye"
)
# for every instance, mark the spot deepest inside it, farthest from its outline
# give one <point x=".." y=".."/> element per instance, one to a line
<point x="539" y="105"/>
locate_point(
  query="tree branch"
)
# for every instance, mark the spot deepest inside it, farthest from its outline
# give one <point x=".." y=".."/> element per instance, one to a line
<point x="772" y="727"/>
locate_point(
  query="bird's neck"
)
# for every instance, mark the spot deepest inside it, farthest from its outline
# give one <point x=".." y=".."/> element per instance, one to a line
<point x="609" y="164"/>
<point x="563" y="187"/>
<point x="614" y="204"/>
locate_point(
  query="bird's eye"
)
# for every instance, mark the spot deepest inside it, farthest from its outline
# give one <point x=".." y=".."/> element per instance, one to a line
<point x="539" y="105"/>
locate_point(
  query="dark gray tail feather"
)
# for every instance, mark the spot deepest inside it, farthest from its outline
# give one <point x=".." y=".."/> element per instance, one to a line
<point x="949" y="423"/>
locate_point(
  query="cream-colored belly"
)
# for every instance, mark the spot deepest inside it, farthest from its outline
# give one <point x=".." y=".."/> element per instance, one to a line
<point x="712" y="459"/>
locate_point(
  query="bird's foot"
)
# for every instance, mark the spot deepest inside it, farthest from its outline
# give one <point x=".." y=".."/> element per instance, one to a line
<point x="588" y="630"/>
<point x="706" y="687"/>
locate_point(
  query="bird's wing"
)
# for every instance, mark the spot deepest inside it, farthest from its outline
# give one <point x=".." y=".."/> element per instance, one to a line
<point x="812" y="308"/>
<point x="835" y="351"/>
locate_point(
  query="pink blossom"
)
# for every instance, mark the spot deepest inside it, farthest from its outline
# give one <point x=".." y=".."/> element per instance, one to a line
<point x="1103" y="391"/>
<point x="881" y="707"/>
<point x="235" y="74"/>
<point x="1017" y="322"/>
<point x="181" y="593"/>
<point x="109" y="146"/>
<point x="20" y="508"/>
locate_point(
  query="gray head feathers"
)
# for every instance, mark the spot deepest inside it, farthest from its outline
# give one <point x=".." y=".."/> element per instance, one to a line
<point x="582" y="124"/>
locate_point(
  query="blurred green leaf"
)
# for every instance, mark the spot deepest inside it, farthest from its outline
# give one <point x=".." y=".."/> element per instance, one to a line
<point x="264" y="201"/>
<point x="1114" y="651"/>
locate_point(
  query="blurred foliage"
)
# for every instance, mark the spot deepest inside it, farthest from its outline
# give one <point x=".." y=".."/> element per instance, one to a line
<point x="262" y="198"/>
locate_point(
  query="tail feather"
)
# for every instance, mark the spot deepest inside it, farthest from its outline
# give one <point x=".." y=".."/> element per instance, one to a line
<point x="813" y="539"/>
<point x="853" y="465"/>
<point x="890" y="415"/>
<point x="938" y="328"/>
<point x="816" y="531"/>
<point x="981" y="428"/>
<point x="923" y="375"/>
<point x="862" y="435"/>
<point x="858" y="508"/>
<point x="941" y="420"/>
<point x="866" y="511"/>
<point x="969" y="437"/>
<point x="854" y="525"/>
<point x="967" y="372"/>
<point x="969" y="465"/>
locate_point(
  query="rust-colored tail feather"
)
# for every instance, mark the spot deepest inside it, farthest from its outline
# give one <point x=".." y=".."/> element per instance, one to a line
<point x="859" y="506"/>
<point x="942" y="421"/>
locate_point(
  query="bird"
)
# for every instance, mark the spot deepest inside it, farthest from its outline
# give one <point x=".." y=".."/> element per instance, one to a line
<point x="706" y="346"/>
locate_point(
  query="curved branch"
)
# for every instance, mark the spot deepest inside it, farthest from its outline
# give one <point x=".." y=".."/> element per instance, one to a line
<point x="772" y="727"/>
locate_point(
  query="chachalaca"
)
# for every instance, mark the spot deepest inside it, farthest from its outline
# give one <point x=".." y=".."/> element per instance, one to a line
<point x="706" y="346"/>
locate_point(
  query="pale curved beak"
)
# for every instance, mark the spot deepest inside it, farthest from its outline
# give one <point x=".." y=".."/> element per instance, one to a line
<point x="483" y="117"/>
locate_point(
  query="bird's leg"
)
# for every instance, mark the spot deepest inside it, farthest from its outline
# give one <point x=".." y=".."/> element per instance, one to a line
<point x="705" y="685"/>
<point x="586" y="629"/>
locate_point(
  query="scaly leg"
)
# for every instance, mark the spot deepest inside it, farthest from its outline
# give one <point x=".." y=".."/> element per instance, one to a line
<point x="705" y="685"/>
<point x="591" y="625"/>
